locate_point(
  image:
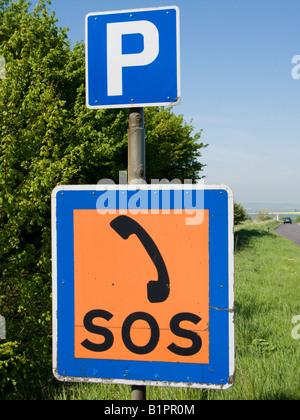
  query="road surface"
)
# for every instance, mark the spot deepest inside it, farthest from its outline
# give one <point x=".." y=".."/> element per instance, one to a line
<point x="289" y="231"/>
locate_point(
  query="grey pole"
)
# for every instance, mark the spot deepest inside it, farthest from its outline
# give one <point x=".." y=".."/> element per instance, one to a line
<point x="138" y="393"/>
<point x="136" y="147"/>
<point x="136" y="175"/>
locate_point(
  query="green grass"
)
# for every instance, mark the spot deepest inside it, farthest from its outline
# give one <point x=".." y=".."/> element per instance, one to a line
<point x="267" y="297"/>
<point x="267" y="272"/>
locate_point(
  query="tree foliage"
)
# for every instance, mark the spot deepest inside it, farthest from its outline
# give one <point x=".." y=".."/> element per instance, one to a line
<point x="240" y="214"/>
<point x="263" y="215"/>
<point x="48" y="137"/>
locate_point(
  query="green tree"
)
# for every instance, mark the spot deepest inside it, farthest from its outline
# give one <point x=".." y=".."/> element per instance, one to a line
<point x="48" y="137"/>
<point x="172" y="152"/>
<point x="240" y="214"/>
<point x="263" y="215"/>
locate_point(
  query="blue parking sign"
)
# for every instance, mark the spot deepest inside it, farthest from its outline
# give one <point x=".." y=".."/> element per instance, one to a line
<point x="133" y="58"/>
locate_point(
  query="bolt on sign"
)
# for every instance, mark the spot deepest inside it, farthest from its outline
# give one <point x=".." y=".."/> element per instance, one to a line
<point x="143" y="285"/>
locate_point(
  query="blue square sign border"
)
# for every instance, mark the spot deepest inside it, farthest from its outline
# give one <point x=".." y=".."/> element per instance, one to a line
<point x="219" y="373"/>
<point x="155" y="84"/>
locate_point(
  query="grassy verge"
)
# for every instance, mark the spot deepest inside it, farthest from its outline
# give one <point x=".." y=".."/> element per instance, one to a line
<point x="267" y="297"/>
<point x="267" y="273"/>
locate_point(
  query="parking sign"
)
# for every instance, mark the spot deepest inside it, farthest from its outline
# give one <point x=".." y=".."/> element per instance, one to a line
<point x="133" y="58"/>
<point x="143" y="285"/>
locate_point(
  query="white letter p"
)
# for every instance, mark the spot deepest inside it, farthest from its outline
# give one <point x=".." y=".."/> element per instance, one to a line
<point x="116" y="60"/>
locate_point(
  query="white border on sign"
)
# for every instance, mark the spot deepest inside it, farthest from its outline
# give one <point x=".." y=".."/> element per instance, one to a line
<point x="54" y="279"/>
<point x="134" y="105"/>
<point x="148" y="187"/>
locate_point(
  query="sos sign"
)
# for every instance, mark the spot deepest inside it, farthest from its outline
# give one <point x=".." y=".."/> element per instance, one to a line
<point x="134" y="298"/>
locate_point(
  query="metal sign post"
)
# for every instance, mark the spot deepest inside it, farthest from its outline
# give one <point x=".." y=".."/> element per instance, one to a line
<point x="136" y="175"/>
<point x="113" y="41"/>
<point x="136" y="147"/>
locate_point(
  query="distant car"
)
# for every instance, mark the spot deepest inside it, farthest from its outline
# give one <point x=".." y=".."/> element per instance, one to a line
<point x="287" y="220"/>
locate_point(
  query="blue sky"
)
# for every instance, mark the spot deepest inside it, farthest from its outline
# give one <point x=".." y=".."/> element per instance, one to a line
<point x="237" y="85"/>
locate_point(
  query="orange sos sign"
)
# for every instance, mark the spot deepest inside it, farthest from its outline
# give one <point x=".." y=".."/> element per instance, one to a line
<point x="141" y="287"/>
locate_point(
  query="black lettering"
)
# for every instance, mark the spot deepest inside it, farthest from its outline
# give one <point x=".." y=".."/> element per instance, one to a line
<point x="96" y="329"/>
<point x="180" y="332"/>
<point x="148" y="348"/>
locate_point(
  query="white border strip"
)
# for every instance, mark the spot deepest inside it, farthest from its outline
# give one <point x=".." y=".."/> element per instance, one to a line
<point x="146" y="187"/>
<point x="231" y="286"/>
<point x="54" y="278"/>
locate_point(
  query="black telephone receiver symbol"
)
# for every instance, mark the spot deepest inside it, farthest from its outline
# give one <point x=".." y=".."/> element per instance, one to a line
<point x="158" y="291"/>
